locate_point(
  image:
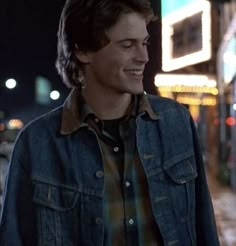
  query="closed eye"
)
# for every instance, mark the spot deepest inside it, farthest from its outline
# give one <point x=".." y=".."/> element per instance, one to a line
<point x="127" y="44"/>
<point x="130" y="43"/>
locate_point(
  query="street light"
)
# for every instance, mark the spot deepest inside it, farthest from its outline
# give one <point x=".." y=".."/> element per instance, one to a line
<point x="10" y="83"/>
<point x="55" y="95"/>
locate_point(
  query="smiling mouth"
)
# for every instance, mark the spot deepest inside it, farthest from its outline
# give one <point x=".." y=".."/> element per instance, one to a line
<point x="135" y="72"/>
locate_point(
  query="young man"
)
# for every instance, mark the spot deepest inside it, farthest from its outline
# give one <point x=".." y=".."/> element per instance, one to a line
<point x="112" y="166"/>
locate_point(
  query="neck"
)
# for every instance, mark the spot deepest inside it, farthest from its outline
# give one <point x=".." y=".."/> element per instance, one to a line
<point x="107" y="106"/>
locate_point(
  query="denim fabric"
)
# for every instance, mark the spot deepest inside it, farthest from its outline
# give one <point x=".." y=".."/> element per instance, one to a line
<point x="54" y="193"/>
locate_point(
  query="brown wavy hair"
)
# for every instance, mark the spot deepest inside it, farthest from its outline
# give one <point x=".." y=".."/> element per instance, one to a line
<point x="82" y="26"/>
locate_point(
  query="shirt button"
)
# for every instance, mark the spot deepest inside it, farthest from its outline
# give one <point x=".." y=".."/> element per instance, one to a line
<point x="116" y="149"/>
<point x="131" y="221"/>
<point x="99" y="221"/>
<point x="127" y="184"/>
<point x="99" y="174"/>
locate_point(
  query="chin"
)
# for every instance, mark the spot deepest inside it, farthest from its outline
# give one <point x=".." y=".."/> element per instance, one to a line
<point x="136" y="91"/>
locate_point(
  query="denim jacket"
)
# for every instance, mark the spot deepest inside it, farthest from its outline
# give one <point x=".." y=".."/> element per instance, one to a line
<point x="54" y="192"/>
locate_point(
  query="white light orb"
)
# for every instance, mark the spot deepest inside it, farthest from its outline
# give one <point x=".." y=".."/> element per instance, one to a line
<point x="55" y="95"/>
<point x="11" y="83"/>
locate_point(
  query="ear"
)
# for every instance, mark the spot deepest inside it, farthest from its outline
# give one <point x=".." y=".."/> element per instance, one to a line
<point x="84" y="57"/>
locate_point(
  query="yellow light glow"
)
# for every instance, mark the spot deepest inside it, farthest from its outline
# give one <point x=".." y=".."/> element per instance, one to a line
<point x="206" y="101"/>
<point x="168" y="62"/>
<point x="185" y="80"/>
<point x="188" y="89"/>
<point x="194" y="111"/>
<point x="15" y="124"/>
<point x="192" y="83"/>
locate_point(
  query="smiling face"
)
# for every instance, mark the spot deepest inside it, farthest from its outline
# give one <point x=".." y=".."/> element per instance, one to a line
<point x="118" y="67"/>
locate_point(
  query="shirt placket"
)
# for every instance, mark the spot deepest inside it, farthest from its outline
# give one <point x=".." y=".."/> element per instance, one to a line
<point x="128" y="136"/>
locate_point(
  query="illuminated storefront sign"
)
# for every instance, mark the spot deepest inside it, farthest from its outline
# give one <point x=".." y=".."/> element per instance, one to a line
<point x="186" y="33"/>
<point x="227" y="55"/>
<point x="229" y="60"/>
<point x="190" y="89"/>
<point x="169" y="6"/>
<point x="193" y="80"/>
<point x="191" y="100"/>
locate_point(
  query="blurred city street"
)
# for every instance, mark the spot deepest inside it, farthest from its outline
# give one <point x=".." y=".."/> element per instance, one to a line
<point x="224" y="202"/>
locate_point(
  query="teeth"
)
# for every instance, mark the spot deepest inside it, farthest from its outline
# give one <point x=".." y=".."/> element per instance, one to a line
<point x="136" y="72"/>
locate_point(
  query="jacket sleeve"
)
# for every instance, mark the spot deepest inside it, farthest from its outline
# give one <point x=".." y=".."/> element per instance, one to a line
<point x="205" y="219"/>
<point x="17" y="223"/>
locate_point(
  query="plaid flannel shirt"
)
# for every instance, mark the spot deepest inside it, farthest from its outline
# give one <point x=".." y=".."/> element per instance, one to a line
<point x="128" y="218"/>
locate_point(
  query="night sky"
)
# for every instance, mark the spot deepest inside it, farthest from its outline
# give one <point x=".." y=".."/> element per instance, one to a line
<point x="28" y="36"/>
<point x="28" y="45"/>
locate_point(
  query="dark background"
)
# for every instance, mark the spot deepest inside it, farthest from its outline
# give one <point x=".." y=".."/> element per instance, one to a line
<point x="28" y="36"/>
<point x="28" y="46"/>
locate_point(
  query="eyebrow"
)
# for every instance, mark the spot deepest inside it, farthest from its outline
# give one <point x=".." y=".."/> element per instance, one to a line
<point x="132" y="39"/>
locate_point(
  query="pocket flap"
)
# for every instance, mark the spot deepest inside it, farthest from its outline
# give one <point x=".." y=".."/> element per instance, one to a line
<point x="53" y="196"/>
<point x="182" y="171"/>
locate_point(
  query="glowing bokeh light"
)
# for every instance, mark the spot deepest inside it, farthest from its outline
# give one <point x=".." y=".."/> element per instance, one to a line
<point x="55" y="95"/>
<point x="11" y="83"/>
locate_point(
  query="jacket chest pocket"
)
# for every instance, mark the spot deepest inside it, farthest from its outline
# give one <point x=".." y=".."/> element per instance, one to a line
<point x="55" y="213"/>
<point x="181" y="187"/>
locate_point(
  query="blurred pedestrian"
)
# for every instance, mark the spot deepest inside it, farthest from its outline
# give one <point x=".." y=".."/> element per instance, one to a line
<point x="113" y="165"/>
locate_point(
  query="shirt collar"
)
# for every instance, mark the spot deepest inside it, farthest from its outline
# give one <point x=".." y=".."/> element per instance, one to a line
<point x="76" y="110"/>
<point x="143" y="106"/>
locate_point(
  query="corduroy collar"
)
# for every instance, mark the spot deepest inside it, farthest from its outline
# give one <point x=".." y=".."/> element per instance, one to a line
<point x="76" y="110"/>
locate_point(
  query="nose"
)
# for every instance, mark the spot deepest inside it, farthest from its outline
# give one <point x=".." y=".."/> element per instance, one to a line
<point x="142" y="54"/>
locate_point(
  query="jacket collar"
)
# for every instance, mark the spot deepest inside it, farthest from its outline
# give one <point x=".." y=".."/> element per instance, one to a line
<point x="76" y="110"/>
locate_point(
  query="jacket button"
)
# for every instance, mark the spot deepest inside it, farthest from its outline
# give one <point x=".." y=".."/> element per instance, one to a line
<point x="127" y="184"/>
<point x="116" y="149"/>
<point x="131" y="221"/>
<point x="99" y="174"/>
<point x="99" y="221"/>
